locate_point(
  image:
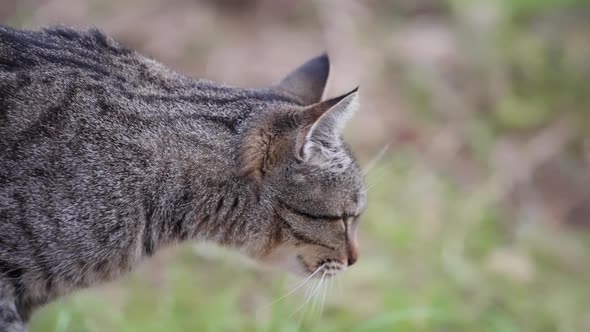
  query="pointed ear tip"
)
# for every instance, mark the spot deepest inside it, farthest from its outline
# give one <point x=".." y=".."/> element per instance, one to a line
<point x="353" y="93"/>
<point x="307" y="82"/>
<point x="324" y="61"/>
<point x="324" y="57"/>
<point x="321" y="62"/>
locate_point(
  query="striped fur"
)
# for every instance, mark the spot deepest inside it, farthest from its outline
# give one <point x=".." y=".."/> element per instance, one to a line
<point x="107" y="156"/>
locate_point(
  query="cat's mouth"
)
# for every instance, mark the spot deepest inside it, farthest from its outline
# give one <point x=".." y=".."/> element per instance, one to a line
<point x="324" y="267"/>
<point x="331" y="267"/>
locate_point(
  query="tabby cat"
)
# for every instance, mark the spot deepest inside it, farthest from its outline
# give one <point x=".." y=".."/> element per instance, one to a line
<point x="107" y="156"/>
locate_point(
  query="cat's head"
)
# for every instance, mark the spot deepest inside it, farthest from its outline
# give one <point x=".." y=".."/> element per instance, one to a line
<point x="300" y="163"/>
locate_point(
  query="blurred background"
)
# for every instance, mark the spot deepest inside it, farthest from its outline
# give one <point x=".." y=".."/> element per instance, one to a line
<point x="473" y="129"/>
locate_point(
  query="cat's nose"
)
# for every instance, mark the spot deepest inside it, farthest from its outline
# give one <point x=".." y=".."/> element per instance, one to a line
<point x="352" y="260"/>
<point x="352" y="255"/>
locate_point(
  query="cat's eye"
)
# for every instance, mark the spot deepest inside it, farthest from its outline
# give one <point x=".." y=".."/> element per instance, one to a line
<point x="348" y="215"/>
<point x="345" y="218"/>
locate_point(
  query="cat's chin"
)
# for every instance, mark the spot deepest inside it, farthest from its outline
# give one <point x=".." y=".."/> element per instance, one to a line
<point x="296" y="265"/>
<point x="288" y="263"/>
<point x="285" y="259"/>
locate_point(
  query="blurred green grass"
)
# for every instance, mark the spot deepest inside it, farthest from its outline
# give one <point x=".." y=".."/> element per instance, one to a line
<point x="464" y="230"/>
<point x="434" y="258"/>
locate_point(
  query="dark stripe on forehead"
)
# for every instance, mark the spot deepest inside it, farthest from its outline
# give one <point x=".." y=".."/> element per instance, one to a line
<point x="300" y="236"/>
<point x="308" y="214"/>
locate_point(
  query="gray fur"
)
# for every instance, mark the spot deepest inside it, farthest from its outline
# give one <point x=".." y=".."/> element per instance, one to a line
<point x="107" y="156"/>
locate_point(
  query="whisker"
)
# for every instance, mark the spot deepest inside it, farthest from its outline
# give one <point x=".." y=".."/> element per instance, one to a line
<point x="299" y="285"/>
<point x="321" y="297"/>
<point x="311" y="295"/>
<point x="314" y="301"/>
<point x="375" y="160"/>
<point x="311" y="287"/>
<point x="376" y="178"/>
<point x="308" y="293"/>
<point x="315" y="297"/>
<point x="333" y="288"/>
<point x="324" y="296"/>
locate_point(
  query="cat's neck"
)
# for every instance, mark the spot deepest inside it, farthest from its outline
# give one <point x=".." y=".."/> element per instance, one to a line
<point x="194" y="188"/>
<point x="188" y="203"/>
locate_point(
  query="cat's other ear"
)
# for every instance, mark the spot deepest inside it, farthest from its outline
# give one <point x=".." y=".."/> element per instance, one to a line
<point x="323" y="123"/>
<point x="307" y="83"/>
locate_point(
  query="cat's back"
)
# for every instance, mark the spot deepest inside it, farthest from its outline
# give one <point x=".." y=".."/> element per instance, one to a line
<point x="55" y="85"/>
<point x="80" y="113"/>
<point x="60" y="74"/>
<point x="43" y="72"/>
<point x="59" y="54"/>
<point x="62" y="49"/>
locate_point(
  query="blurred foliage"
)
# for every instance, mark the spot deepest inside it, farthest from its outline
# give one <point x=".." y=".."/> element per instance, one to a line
<point x="485" y="105"/>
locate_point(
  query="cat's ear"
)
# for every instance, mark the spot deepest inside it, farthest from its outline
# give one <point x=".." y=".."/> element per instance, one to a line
<point x="308" y="82"/>
<point x="324" y="122"/>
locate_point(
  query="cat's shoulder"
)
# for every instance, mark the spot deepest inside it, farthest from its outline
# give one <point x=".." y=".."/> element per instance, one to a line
<point x="61" y="38"/>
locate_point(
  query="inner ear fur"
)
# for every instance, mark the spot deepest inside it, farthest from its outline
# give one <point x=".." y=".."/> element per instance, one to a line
<point x="265" y="146"/>
<point x="280" y="136"/>
<point x="313" y="115"/>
